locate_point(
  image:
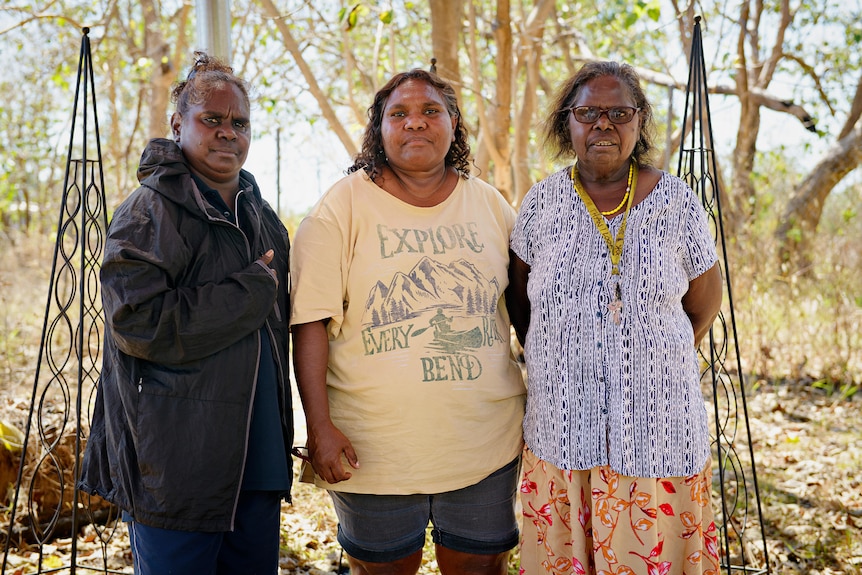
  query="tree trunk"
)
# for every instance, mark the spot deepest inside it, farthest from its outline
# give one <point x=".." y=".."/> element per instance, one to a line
<point x="486" y="151"/>
<point x="159" y="51"/>
<point x="529" y="58"/>
<point x="445" y="35"/>
<point x="737" y="209"/>
<point x="802" y="213"/>
<point x="502" y="107"/>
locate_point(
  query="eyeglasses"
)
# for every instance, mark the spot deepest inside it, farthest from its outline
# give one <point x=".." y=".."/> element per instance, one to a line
<point x="616" y="115"/>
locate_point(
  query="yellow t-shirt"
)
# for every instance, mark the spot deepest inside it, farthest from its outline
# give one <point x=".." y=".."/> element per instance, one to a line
<point x="421" y="377"/>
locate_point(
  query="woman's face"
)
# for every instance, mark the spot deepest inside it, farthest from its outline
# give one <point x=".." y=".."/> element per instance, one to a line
<point x="604" y="147"/>
<point x="215" y="136"/>
<point x="417" y="130"/>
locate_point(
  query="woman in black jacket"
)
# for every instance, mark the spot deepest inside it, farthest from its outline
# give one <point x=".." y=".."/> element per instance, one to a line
<point x="192" y="423"/>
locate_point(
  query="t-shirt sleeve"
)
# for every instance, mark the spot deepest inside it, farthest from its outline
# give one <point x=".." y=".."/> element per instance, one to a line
<point x="521" y="238"/>
<point x="316" y="269"/>
<point x="699" y="254"/>
<point x="509" y="213"/>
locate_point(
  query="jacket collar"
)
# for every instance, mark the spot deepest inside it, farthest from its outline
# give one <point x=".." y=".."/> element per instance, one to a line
<point x="164" y="169"/>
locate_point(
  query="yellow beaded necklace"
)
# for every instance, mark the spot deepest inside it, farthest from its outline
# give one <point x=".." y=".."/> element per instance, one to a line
<point x="614" y="244"/>
<point x="576" y="182"/>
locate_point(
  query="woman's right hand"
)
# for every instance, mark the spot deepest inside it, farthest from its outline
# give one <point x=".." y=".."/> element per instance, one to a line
<point x="326" y="446"/>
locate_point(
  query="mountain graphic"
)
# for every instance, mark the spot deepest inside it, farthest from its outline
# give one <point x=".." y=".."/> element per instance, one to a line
<point x="430" y="285"/>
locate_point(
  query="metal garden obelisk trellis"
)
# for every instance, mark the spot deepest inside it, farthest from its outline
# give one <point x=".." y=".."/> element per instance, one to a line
<point x="737" y="480"/>
<point x="46" y="497"/>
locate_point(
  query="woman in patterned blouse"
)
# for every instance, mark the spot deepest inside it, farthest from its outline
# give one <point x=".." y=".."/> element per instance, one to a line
<point x="614" y="282"/>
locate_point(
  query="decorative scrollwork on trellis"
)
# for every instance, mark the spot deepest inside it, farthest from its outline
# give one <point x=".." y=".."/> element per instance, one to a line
<point x="69" y="362"/>
<point x="733" y="454"/>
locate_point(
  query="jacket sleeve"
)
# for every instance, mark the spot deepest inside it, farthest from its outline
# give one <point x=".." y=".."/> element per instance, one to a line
<point x="169" y="302"/>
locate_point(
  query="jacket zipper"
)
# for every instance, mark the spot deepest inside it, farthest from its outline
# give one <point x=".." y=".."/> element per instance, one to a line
<point x="254" y="381"/>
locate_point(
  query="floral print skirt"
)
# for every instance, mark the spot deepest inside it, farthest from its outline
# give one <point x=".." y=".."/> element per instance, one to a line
<point x="600" y="522"/>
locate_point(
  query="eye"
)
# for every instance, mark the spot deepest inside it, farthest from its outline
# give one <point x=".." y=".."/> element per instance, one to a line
<point x="586" y="114"/>
<point x="211" y="121"/>
<point x="618" y="113"/>
<point x="398" y="114"/>
<point x="240" y="125"/>
<point x="431" y="111"/>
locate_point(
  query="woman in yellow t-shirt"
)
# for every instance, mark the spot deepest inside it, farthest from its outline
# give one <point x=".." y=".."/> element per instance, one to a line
<point x="413" y="402"/>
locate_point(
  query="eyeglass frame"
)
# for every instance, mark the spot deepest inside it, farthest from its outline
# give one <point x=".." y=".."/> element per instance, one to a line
<point x="605" y="112"/>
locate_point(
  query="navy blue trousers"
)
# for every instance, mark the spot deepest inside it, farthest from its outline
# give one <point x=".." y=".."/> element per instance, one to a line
<point x="250" y="549"/>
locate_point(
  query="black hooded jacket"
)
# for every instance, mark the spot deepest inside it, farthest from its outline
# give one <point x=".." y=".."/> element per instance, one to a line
<point x="184" y="301"/>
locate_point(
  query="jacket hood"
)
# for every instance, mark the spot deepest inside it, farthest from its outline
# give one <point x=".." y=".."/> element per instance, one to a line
<point x="163" y="169"/>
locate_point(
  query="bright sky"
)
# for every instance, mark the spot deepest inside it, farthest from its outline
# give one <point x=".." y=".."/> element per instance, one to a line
<point x="310" y="164"/>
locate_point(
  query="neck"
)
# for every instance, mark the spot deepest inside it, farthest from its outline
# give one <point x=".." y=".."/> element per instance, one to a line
<point x="601" y="179"/>
<point x="422" y="189"/>
<point x="227" y="190"/>
<point x="610" y="195"/>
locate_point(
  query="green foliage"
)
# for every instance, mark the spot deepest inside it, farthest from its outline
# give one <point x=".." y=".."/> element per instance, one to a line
<point x="30" y="164"/>
<point x="60" y="77"/>
<point x="841" y="391"/>
<point x="350" y="18"/>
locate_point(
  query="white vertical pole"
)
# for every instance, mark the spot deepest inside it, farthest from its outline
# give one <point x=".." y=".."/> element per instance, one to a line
<point x="213" y="28"/>
<point x="278" y="170"/>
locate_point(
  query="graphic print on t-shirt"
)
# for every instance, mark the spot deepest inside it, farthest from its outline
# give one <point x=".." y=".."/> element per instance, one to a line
<point x="449" y="309"/>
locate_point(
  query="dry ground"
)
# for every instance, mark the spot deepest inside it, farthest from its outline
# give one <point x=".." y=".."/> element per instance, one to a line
<point x="808" y="448"/>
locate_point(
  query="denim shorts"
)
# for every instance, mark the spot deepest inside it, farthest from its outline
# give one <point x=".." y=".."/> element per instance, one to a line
<point x="479" y="519"/>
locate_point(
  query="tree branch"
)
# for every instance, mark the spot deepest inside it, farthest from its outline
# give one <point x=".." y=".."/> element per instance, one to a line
<point x="35" y="17"/>
<point x="855" y="111"/>
<point x="758" y="96"/>
<point x="314" y="87"/>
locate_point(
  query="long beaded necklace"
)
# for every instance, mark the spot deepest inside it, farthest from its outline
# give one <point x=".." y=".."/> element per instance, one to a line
<point x="625" y="196"/>
<point x="615" y="245"/>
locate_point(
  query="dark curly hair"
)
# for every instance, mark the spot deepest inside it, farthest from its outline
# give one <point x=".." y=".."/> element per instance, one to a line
<point x="207" y="74"/>
<point x="372" y="159"/>
<point x="558" y="138"/>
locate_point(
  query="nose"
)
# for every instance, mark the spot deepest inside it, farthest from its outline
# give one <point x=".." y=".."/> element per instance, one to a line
<point x="227" y="132"/>
<point x="415" y="122"/>
<point x="603" y="122"/>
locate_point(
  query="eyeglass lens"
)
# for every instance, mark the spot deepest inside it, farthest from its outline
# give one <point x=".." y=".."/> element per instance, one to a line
<point x="591" y="114"/>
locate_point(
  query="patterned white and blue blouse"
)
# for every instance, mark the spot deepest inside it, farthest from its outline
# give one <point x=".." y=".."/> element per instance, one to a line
<point x="622" y="394"/>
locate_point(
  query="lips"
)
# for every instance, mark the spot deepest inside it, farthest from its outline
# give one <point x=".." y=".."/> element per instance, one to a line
<point x="225" y="152"/>
<point x="416" y="141"/>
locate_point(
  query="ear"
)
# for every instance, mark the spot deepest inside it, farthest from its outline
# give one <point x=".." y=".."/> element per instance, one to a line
<point x="176" y="123"/>
<point x="455" y="120"/>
